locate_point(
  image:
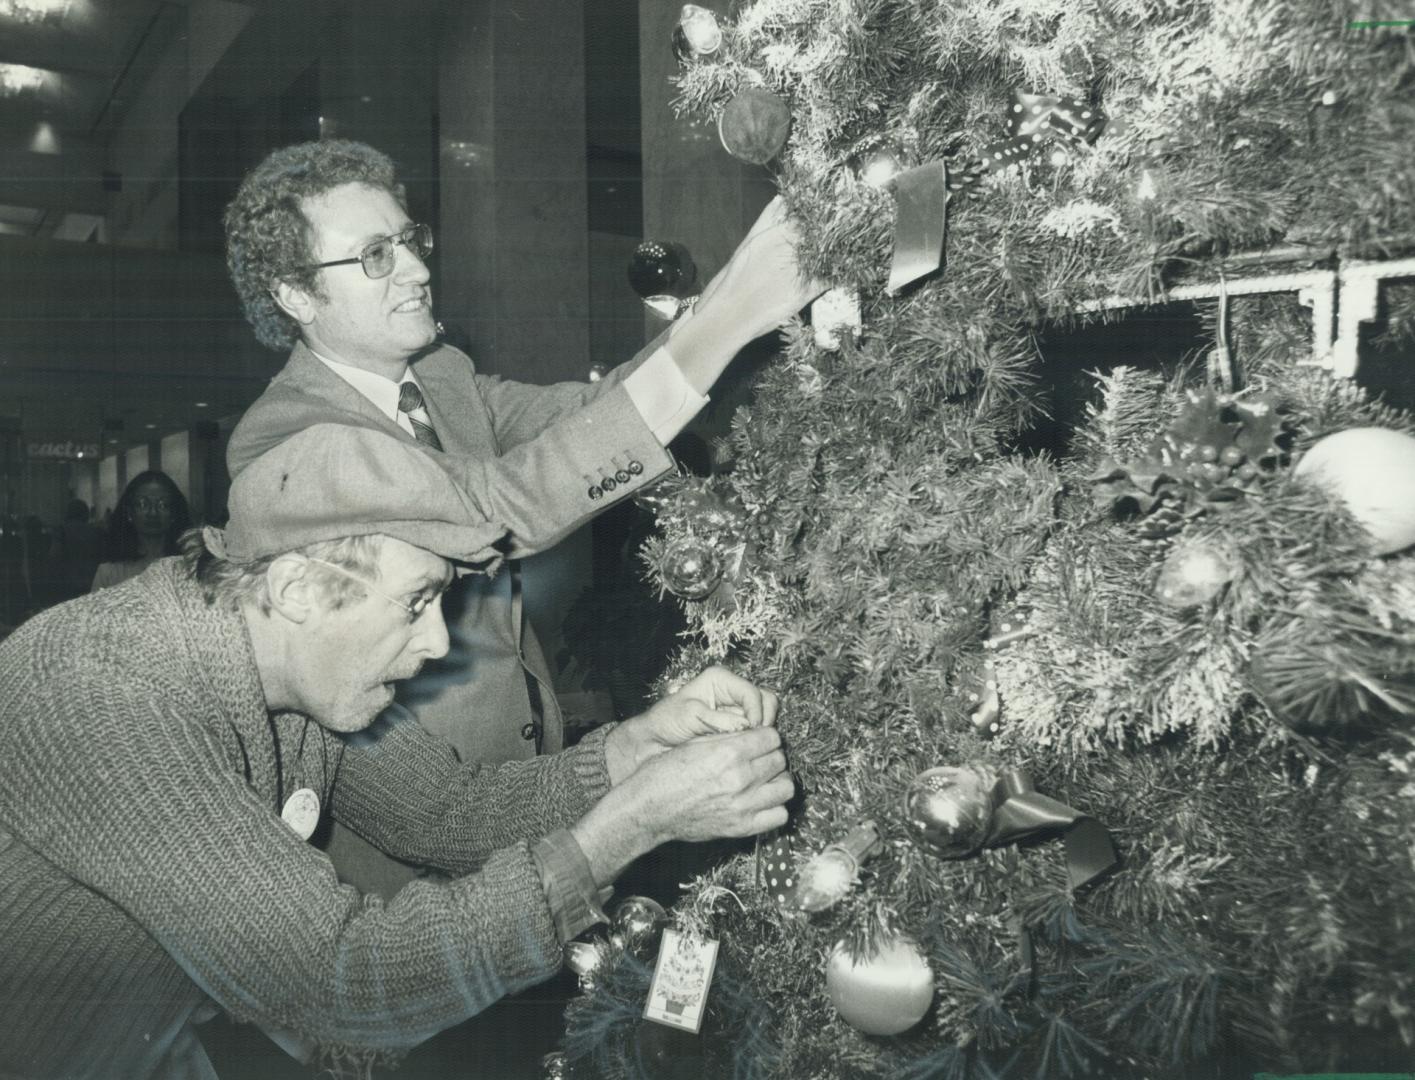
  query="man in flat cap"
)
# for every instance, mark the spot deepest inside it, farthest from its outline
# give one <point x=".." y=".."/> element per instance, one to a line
<point x="331" y="267"/>
<point x="169" y="746"/>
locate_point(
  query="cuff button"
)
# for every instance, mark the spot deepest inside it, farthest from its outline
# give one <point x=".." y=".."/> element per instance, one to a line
<point x="635" y="467"/>
<point x="608" y="483"/>
<point x="594" y="492"/>
<point x="622" y="476"/>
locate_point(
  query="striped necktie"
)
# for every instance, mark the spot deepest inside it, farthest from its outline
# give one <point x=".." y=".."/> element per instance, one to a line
<point x="410" y="399"/>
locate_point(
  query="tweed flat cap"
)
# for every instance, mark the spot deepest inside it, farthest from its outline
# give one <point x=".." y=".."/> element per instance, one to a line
<point x="331" y="481"/>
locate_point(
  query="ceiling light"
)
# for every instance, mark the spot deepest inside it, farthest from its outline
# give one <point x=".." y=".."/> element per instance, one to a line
<point x="31" y="11"/>
<point x="16" y="79"/>
<point x="201" y="404"/>
<point x="46" y="139"/>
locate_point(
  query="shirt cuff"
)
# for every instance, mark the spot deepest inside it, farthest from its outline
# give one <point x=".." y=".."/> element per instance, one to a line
<point x="575" y="902"/>
<point x="663" y="397"/>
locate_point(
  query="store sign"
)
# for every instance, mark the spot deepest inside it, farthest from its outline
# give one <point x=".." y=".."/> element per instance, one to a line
<point x="62" y="451"/>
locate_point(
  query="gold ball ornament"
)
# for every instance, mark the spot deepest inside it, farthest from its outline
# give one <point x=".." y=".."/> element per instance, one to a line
<point x="1372" y="470"/>
<point x="883" y="994"/>
<point x="948" y="809"/>
<point x="691" y="568"/>
<point x="754" y="125"/>
<point x="1194" y="574"/>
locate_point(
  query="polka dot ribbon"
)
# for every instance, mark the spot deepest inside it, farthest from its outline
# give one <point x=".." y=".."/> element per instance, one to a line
<point x="1036" y="119"/>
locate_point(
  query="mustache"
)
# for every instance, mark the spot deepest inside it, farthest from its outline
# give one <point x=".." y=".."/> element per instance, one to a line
<point x="404" y="678"/>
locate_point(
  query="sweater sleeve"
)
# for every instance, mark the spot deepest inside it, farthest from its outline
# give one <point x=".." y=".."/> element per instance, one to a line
<point x="118" y="784"/>
<point x="404" y="791"/>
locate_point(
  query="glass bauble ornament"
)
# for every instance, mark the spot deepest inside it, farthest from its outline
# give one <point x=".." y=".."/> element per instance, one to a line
<point x="754" y="125"/>
<point x="697" y="34"/>
<point x="662" y="273"/>
<point x="638" y="920"/>
<point x="878" y="161"/>
<point x="691" y="568"/>
<point x="948" y="809"/>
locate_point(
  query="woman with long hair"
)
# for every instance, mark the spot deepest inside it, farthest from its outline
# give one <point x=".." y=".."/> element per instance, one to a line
<point x="151" y="514"/>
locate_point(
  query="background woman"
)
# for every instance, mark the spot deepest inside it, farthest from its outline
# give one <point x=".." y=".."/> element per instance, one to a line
<point x="151" y="514"/>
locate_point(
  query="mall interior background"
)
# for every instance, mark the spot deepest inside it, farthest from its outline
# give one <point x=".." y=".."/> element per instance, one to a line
<point x="537" y="140"/>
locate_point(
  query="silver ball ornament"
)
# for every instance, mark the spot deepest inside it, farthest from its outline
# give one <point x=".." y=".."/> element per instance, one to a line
<point x="692" y="568"/>
<point x="948" y="809"/>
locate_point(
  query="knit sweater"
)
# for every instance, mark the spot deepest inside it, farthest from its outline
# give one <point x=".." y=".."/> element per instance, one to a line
<point x="145" y="871"/>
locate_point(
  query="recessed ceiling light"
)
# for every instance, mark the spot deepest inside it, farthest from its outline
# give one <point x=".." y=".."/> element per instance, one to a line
<point x="201" y="404"/>
<point x="149" y="425"/>
<point x="46" y="139"/>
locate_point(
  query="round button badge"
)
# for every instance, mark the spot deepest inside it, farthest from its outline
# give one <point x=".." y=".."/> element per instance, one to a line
<point x="301" y="812"/>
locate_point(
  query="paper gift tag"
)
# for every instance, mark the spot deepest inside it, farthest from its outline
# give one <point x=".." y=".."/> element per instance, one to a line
<point x="678" y="992"/>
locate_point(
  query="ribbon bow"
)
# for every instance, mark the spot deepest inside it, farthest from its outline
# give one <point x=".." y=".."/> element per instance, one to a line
<point x="1039" y="118"/>
<point x="1020" y="811"/>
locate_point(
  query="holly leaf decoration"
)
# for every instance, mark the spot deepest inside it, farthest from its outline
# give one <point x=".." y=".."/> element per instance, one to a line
<point x="1211" y="457"/>
<point x="1261" y="427"/>
<point x="1201" y="424"/>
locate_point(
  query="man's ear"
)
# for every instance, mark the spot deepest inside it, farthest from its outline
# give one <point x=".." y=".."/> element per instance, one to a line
<point x="294" y="302"/>
<point x="293" y="594"/>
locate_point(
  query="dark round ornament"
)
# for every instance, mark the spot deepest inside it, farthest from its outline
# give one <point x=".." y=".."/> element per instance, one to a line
<point x="691" y="568"/>
<point x="638" y="920"/>
<point x="948" y="809"/>
<point x="661" y="268"/>
<point x="754" y="125"/>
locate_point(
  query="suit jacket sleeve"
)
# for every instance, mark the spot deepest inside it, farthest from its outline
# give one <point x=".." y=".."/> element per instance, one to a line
<point x="537" y="462"/>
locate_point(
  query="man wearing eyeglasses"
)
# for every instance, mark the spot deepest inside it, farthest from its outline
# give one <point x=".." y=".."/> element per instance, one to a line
<point x="169" y="746"/>
<point x="329" y="264"/>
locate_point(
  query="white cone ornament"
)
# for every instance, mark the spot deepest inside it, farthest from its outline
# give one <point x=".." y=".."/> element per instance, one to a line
<point x="883" y="994"/>
<point x="1372" y="470"/>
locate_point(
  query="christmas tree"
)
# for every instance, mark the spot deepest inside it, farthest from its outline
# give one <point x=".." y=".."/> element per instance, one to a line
<point x="1098" y="682"/>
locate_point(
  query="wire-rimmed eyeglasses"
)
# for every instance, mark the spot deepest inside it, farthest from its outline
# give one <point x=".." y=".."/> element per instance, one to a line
<point x="415" y="610"/>
<point x="379" y="257"/>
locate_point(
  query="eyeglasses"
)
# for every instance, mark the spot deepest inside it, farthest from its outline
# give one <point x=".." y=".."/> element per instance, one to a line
<point x="378" y="258"/>
<point x="415" y="610"/>
<point x="151" y="505"/>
